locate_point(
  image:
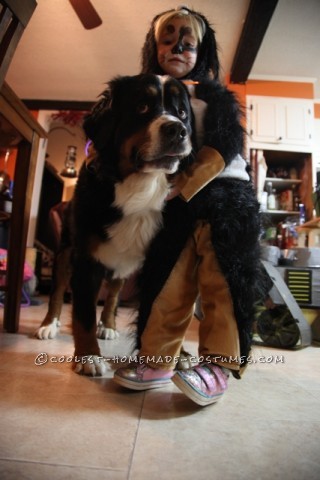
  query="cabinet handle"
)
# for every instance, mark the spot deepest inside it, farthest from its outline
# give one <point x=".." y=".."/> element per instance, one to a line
<point x="279" y="139"/>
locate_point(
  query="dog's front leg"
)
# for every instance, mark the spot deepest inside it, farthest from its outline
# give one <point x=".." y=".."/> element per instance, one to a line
<point x="107" y="324"/>
<point x="61" y="277"/>
<point x="85" y="283"/>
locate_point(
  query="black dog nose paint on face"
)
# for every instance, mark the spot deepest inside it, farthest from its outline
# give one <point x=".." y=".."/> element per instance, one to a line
<point x="180" y="47"/>
<point x="174" y="130"/>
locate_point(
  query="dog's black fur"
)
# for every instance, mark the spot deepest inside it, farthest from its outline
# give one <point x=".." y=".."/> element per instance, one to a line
<point x="231" y="208"/>
<point x="141" y="131"/>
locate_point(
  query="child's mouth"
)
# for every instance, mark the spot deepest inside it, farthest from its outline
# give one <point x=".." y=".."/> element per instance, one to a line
<point x="175" y="59"/>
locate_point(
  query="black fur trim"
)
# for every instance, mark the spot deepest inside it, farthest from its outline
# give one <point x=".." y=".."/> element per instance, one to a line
<point x="222" y="121"/>
<point x="231" y="208"/>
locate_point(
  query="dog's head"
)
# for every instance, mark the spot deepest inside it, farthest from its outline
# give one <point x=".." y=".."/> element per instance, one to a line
<point x="142" y="123"/>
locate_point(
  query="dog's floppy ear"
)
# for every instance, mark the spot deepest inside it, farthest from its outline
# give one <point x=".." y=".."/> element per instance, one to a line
<point x="98" y="124"/>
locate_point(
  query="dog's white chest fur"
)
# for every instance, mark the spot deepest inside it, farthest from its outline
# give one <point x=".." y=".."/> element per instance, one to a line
<point x="140" y="197"/>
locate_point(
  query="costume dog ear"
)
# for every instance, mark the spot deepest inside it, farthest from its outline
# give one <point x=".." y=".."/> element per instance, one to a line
<point x="207" y="60"/>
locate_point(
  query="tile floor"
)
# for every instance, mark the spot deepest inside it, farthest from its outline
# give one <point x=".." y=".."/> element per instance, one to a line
<point x="58" y="425"/>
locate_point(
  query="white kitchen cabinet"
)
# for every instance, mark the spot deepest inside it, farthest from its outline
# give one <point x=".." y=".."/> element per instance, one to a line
<point x="284" y="123"/>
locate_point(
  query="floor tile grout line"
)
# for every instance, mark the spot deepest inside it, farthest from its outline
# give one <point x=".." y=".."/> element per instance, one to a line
<point x="67" y="465"/>
<point x="135" y="437"/>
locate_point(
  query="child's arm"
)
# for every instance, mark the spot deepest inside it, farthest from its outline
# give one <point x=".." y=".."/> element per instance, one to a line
<point x="209" y="163"/>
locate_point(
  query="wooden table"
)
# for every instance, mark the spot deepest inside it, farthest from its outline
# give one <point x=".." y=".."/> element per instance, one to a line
<point x="18" y="128"/>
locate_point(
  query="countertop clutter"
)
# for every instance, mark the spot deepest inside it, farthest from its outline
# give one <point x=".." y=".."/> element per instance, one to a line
<point x="284" y="190"/>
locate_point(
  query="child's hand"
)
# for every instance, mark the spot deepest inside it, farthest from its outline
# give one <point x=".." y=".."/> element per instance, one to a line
<point x="174" y="192"/>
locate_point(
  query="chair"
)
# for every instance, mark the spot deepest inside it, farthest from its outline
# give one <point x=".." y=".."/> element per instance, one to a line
<point x="14" y="17"/>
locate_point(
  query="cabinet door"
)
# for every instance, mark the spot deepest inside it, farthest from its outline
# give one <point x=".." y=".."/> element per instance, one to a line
<point x="264" y="120"/>
<point x="280" y="121"/>
<point x="297" y="118"/>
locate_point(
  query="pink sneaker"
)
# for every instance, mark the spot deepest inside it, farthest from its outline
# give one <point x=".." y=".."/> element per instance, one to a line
<point x="142" y="377"/>
<point x="204" y="384"/>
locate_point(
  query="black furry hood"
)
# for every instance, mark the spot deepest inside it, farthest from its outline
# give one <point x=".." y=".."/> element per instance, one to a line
<point x="207" y="61"/>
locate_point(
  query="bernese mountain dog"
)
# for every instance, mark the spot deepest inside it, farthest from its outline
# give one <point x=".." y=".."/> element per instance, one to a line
<point x="141" y="131"/>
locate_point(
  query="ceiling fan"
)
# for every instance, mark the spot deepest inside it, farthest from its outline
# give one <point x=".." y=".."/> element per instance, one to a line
<point x="86" y="13"/>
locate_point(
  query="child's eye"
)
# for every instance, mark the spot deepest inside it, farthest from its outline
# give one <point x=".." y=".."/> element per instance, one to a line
<point x="189" y="44"/>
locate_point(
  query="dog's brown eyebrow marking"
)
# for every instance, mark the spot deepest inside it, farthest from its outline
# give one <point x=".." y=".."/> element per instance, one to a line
<point x="174" y="90"/>
<point x="152" y="90"/>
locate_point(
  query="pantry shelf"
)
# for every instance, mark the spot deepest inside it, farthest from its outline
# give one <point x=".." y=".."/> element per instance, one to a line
<point x="283" y="182"/>
<point x="281" y="212"/>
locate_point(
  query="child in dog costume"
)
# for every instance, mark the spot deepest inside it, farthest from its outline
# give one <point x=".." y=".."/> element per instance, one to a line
<point x="209" y="240"/>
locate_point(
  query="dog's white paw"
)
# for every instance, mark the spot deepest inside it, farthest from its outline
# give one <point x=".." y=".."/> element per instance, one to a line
<point x="48" y="331"/>
<point x="106" y="333"/>
<point x="90" y="365"/>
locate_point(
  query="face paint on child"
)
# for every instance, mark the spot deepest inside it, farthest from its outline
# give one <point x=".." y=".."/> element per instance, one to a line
<point x="180" y="46"/>
<point x="177" y="49"/>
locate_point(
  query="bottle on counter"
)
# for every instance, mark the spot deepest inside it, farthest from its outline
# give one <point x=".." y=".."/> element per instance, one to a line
<point x="271" y="202"/>
<point x="302" y="214"/>
<point x="295" y="199"/>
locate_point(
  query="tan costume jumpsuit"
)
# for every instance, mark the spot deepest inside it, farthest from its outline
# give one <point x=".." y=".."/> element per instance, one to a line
<point x="196" y="272"/>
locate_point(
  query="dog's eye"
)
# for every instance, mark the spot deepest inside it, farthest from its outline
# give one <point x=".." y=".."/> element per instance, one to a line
<point x="182" y="114"/>
<point x="143" y="108"/>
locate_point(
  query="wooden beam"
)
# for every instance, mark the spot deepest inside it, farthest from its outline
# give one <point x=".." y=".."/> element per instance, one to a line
<point x="58" y="105"/>
<point x="256" y="24"/>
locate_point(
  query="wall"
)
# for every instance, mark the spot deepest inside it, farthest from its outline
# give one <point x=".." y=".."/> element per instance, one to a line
<point x="54" y="151"/>
<point x="272" y="89"/>
<point x="8" y="166"/>
<point x="60" y="137"/>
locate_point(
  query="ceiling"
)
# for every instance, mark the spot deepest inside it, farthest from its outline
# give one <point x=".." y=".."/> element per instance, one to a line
<point x="57" y="59"/>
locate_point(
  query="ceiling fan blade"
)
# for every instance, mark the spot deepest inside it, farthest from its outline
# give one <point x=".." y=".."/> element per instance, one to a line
<point x="86" y="13"/>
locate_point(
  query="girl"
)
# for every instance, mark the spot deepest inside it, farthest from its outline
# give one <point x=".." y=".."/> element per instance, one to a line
<point x="209" y="240"/>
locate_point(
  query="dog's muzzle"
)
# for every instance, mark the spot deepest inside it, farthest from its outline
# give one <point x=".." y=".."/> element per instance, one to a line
<point x="174" y="131"/>
<point x="169" y="137"/>
<point x="168" y="141"/>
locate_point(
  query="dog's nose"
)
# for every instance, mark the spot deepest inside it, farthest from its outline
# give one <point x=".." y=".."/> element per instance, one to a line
<point x="174" y="130"/>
